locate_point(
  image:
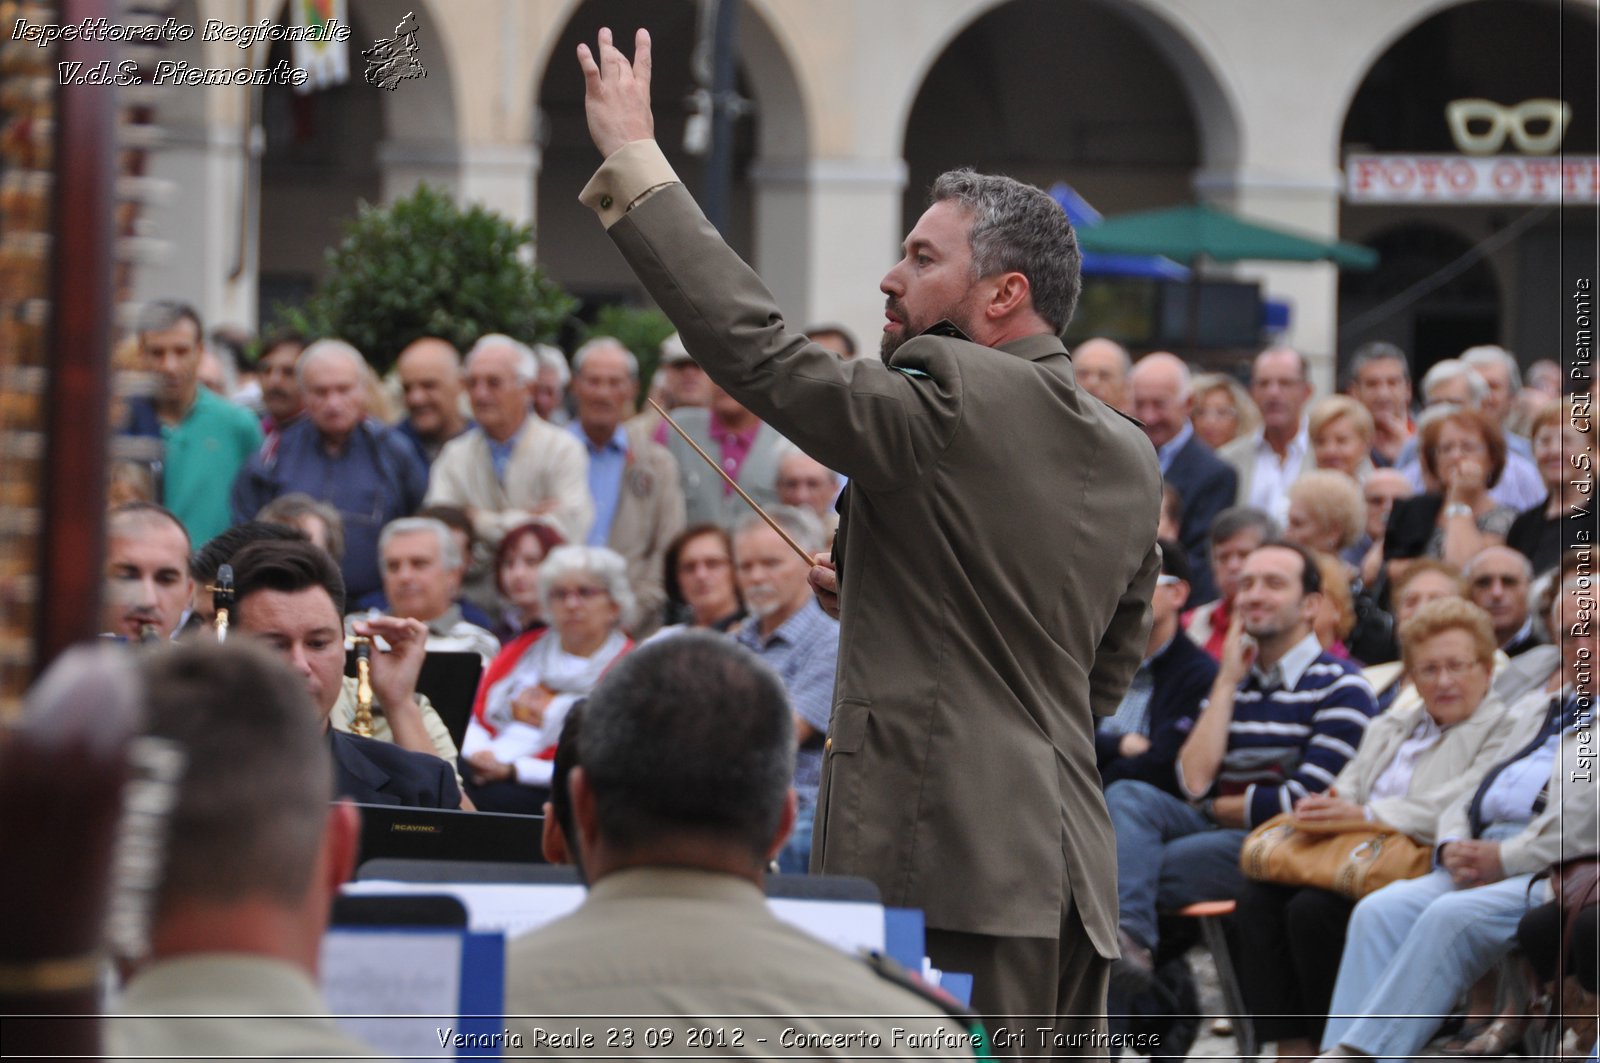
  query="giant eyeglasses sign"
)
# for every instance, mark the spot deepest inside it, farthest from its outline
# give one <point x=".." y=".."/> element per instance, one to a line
<point x="1481" y="130"/>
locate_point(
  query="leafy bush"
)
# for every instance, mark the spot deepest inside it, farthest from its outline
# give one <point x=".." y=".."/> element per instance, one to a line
<point x="424" y="266"/>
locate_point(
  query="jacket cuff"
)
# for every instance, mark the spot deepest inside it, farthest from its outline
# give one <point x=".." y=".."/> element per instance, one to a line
<point x="627" y="176"/>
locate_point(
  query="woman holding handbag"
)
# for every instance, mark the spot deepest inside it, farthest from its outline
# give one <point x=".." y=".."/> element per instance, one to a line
<point x="1415" y="946"/>
<point x="1413" y="762"/>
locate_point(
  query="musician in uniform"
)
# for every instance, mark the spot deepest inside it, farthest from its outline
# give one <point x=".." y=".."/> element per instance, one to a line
<point x="680" y="798"/>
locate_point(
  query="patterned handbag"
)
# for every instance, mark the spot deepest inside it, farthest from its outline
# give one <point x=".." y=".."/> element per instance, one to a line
<point x="1349" y="857"/>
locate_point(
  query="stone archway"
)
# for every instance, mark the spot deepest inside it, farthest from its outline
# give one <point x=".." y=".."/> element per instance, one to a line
<point x="325" y="153"/>
<point x="1133" y="113"/>
<point x="1506" y="51"/>
<point x="1407" y="301"/>
<point x="774" y="132"/>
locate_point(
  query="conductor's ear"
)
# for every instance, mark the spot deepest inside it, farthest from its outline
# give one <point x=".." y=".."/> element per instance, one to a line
<point x="1011" y="293"/>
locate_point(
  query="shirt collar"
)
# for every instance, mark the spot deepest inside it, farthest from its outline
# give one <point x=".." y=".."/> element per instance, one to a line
<point x="512" y="439"/>
<point x="715" y="426"/>
<point x="750" y="627"/>
<point x="1297" y="446"/>
<point x="617" y="444"/>
<point x="441" y="624"/>
<point x="1169" y="450"/>
<point x="1292" y="665"/>
<point x="1522" y="632"/>
<point x="1160" y="650"/>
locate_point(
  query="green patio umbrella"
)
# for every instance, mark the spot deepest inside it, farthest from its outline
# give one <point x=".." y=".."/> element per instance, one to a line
<point x="1198" y="231"/>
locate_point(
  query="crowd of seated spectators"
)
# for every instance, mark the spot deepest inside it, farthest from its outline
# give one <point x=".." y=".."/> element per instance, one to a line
<point x="1364" y="612"/>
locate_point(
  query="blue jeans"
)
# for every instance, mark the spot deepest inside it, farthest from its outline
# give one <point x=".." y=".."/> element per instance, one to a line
<point x="1412" y="949"/>
<point x="1168" y="855"/>
<point x="795" y="856"/>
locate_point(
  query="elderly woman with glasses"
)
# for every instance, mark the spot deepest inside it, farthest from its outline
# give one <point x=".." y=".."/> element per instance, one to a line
<point x="526" y="692"/>
<point x="1415" y="946"/>
<point x="1413" y="762"/>
<point x="1463" y="454"/>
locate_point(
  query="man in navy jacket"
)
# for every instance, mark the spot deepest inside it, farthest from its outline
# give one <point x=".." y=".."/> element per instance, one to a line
<point x="1205" y="483"/>
<point x="1142" y="740"/>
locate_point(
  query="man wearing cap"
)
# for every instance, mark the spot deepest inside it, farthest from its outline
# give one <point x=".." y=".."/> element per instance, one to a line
<point x="1142" y="740"/>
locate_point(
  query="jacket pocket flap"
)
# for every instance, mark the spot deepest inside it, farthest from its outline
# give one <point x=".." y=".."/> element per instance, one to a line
<point x="849" y="725"/>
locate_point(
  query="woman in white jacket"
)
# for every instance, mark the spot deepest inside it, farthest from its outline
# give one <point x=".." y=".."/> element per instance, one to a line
<point x="1414" y="761"/>
<point x="1414" y="947"/>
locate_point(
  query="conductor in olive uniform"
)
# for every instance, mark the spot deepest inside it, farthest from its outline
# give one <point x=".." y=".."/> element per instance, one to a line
<point x="680" y="797"/>
<point x="995" y="557"/>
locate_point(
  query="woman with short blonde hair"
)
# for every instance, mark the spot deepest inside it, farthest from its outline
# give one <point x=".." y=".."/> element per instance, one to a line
<point x="1414" y="761"/>
<point x="1341" y="433"/>
<point x="1449" y="614"/>
<point x="1223" y="410"/>
<point x="1326" y="511"/>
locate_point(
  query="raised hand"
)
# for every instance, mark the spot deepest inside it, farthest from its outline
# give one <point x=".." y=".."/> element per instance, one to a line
<point x="616" y="93"/>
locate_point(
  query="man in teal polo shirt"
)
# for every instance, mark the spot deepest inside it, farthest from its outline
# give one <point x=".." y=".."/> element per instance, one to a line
<point x="205" y="438"/>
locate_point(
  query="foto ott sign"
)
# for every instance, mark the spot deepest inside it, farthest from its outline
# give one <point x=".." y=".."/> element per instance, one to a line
<point x="1480" y="129"/>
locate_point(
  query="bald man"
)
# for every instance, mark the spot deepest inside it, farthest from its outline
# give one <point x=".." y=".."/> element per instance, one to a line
<point x="1206" y="484"/>
<point x="1102" y="367"/>
<point x="430" y="378"/>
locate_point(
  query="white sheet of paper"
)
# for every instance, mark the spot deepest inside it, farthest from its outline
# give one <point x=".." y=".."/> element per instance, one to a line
<point x="520" y="907"/>
<point x="512" y="908"/>
<point x="417" y="974"/>
<point x="846" y="925"/>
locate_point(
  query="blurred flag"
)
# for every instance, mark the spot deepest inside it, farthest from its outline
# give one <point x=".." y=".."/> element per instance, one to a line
<point x="326" y="61"/>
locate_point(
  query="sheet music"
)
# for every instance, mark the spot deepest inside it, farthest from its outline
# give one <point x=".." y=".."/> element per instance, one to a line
<point x="394" y="973"/>
<point x="512" y="908"/>
<point x="846" y="925"/>
<point x="516" y="908"/>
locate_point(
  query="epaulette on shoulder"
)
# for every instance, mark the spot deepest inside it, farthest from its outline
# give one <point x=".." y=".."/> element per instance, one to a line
<point x="1127" y="416"/>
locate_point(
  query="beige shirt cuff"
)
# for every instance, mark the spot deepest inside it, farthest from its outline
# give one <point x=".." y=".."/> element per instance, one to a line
<point x="627" y="176"/>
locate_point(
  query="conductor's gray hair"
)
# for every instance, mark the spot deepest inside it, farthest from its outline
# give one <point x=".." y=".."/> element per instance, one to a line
<point x="449" y="553"/>
<point x="605" y="343"/>
<point x="252" y="803"/>
<point x="524" y="361"/>
<point x="1450" y="369"/>
<point x="801" y="524"/>
<point x="1019" y="228"/>
<point x="601" y="564"/>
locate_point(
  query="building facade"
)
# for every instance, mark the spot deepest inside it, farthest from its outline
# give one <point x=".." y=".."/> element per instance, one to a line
<point x="855" y="105"/>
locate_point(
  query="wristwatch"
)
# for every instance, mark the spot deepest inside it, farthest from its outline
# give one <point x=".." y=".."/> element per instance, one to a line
<point x="1458" y="509"/>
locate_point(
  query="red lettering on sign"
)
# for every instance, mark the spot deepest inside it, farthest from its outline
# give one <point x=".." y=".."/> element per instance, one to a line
<point x="1400" y="176"/>
<point x="1367" y="170"/>
<point x="1506" y="177"/>
<point x="1462" y="177"/>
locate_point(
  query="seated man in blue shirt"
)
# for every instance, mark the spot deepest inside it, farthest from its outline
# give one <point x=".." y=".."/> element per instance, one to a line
<point x="1282" y="719"/>
<point x="339" y="455"/>
<point x="1142" y="740"/>
<point x="789" y="631"/>
<point x="633" y="481"/>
